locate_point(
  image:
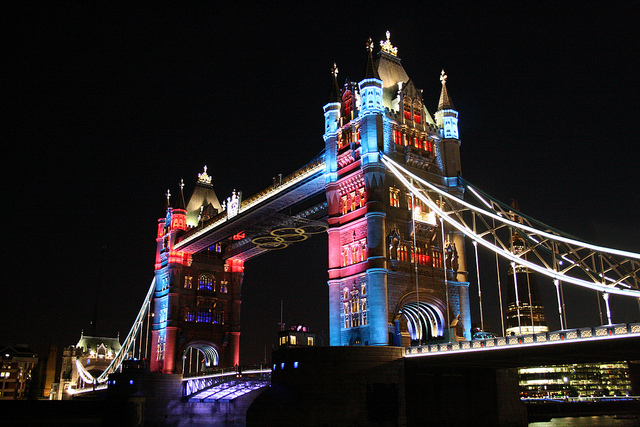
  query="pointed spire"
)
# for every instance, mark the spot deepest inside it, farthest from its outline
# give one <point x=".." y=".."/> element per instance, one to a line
<point x="371" y="72"/>
<point x="180" y="202"/>
<point x="445" y="101"/>
<point x="334" y="95"/>
<point x="168" y="194"/>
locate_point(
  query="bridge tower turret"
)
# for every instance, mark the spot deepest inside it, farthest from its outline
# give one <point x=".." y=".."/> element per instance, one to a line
<point x="389" y="283"/>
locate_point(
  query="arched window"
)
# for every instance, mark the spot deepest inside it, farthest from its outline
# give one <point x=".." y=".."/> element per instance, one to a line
<point x="347" y="102"/>
<point x="205" y="282"/>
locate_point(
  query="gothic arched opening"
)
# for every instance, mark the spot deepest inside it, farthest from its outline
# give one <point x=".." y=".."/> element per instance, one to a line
<point x="199" y="357"/>
<point x="422" y="321"/>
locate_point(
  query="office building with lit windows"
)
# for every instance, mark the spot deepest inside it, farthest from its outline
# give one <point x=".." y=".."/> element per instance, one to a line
<point x="18" y="361"/>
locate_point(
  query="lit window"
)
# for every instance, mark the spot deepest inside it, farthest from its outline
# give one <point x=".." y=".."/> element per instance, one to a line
<point x="397" y="137"/>
<point x="407" y="108"/>
<point x="310" y="341"/>
<point x="187" y="282"/>
<point x="204" y="316"/>
<point x="218" y="318"/>
<point x="205" y="282"/>
<point x="344" y="206"/>
<point x="394" y="199"/>
<point x="223" y="286"/>
<point x="293" y="340"/>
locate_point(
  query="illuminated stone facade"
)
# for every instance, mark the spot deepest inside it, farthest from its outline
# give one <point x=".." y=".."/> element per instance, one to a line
<point x="196" y="305"/>
<point x="376" y="249"/>
<point x="83" y="362"/>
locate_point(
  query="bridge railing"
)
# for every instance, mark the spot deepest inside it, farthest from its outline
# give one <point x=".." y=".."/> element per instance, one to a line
<point x="197" y="383"/>
<point x="589" y="333"/>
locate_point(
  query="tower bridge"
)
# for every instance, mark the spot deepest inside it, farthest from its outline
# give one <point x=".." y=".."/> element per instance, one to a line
<point x="387" y="192"/>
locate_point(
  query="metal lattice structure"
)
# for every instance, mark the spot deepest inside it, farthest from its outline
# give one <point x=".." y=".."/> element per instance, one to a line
<point x="550" y="252"/>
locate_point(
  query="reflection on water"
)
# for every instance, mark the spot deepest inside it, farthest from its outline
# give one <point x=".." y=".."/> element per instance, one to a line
<point x="600" y="421"/>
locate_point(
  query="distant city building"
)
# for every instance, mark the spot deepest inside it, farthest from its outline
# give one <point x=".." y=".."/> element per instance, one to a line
<point x="18" y="361"/>
<point x="525" y="315"/>
<point x="81" y="363"/>
<point x="579" y="380"/>
<point x="525" y="311"/>
<point x="297" y="336"/>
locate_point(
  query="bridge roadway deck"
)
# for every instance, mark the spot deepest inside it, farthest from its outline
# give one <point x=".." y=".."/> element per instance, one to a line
<point x="260" y="212"/>
<point x="585" y="345"/>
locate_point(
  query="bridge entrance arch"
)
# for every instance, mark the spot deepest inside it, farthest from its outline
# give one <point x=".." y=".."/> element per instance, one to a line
<point x="198" y="357"/>
<point x="418" y="320"/>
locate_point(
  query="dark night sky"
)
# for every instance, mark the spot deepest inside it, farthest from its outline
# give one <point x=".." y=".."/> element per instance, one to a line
<point x="106" y="108"/>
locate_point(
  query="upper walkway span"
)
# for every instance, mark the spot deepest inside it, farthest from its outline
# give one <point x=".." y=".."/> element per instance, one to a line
<point x="290" y="203"/>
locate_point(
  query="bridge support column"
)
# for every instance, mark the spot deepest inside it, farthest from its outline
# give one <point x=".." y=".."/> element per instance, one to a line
<point x="334" y="312"/>
<point x="378" y="306"/>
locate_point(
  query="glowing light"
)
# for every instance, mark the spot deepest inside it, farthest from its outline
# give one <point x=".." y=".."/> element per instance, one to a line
<point x="203" y="177"/>
<point x="386" y="46"/>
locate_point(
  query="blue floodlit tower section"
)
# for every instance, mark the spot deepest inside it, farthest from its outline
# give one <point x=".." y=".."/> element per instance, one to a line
<point x="395" y="277"/>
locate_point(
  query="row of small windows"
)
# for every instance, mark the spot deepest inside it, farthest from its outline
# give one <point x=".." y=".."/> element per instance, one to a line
<point x="414" y="113"/>
<point x="423" y="254"/>
<point x="206" y="282"/>
<point x="205" y="316"/>
<point x="394" y="201"/>
<point x="414" y="140"/>
<point x="352" y="201"/>
<point x="354" y="306"/>
<point x="293" y="340"/>
<point x="354" y="253"/>
<point x="346" y="136"/>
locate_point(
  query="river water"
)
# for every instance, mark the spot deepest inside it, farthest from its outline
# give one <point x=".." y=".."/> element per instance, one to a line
<point x="600" y="421"/>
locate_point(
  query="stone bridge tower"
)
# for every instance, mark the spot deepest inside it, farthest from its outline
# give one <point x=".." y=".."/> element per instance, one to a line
<point x="395" y="277"/>
<point x="196" y="304"/>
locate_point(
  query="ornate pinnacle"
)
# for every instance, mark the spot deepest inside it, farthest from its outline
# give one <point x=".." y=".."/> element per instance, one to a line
<point x="443" y="77"/>
<point x="386" y="45"/>
<point x="203" y="177"/>
<point x="334" y="70"/>
<point x="181" y="184"/>
<point x="168" y="195"/>
<point x="370" y="45"/>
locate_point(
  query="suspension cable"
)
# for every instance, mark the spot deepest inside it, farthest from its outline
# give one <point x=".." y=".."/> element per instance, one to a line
<point x="506" y="254"/>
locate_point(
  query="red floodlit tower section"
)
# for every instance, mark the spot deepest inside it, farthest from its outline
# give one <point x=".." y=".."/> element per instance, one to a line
<point x="196" y="306"/>
<point x="388" y="284"/>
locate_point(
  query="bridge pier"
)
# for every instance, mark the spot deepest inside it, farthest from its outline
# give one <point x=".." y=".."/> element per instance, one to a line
<point x="160" y="397"/>
<point x="378" y="386"/>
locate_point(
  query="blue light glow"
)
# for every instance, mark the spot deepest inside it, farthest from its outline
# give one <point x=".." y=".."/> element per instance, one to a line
<point x="282" y="365"/>
<point x="295" y="365"/>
